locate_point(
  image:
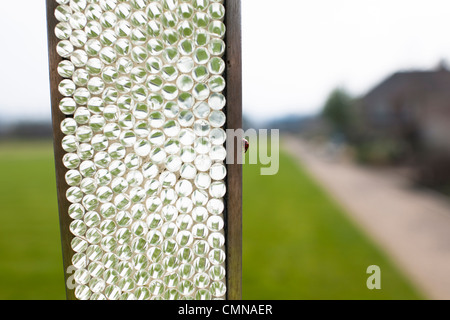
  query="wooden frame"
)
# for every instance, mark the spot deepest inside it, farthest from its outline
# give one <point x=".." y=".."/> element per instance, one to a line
<point x="233" y="216"/>
<point x="233" y="110"/>
<point x="57" y="117"/>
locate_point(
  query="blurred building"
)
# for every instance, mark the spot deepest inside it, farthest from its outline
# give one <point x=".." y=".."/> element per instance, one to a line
<point x="412" y="109"/>
<point x="25" y="130"/>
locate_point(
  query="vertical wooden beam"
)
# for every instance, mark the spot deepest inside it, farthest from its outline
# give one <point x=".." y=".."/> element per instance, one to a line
<point x="233" y="213"/>
<point x="57" y="116"/>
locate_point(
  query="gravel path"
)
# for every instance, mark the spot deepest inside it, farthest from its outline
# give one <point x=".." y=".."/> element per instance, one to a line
<point x="412" y="226"/>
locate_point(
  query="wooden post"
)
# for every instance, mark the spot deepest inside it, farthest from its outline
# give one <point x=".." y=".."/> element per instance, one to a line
<point x="57" y="117"/>
<point x="233" y="110"/>
<point x="234" y="121"/>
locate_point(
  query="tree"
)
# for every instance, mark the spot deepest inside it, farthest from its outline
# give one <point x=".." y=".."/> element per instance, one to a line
<point x="339" y="112"/>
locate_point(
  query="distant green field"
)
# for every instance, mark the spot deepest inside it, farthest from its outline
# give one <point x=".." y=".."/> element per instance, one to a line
<point x="297" y="242"/>
<point x="30" y="250"/>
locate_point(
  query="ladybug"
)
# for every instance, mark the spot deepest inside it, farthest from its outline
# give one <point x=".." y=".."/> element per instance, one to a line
<point x="245" y="145"/>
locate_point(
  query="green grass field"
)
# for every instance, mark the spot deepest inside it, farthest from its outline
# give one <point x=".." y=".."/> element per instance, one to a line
<point x="30" y="250"/>
<point x="297" y="242"/>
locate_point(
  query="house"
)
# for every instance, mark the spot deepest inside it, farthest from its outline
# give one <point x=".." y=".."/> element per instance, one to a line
<point x="413" y="108"/>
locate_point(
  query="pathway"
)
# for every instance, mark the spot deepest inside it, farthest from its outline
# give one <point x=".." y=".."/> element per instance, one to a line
<point x="412" y="226"/>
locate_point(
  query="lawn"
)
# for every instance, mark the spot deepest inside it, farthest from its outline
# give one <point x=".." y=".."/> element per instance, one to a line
<point x="30" y="250"/>
<point x="297" y="242"/>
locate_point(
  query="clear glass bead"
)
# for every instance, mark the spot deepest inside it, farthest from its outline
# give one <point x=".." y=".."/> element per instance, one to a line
<point x="66" y="69"/>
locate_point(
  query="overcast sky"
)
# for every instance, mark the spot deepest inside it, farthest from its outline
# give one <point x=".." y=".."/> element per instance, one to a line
<point x="294" y="51"/>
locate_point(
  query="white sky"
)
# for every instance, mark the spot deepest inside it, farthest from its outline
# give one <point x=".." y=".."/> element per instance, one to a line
<point x="294" y="51"/>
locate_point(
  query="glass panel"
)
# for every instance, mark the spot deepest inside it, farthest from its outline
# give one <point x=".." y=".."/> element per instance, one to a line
<point x="143" y="80"/>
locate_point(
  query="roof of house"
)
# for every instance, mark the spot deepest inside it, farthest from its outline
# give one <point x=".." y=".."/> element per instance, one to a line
<point x="412" y="83"/>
